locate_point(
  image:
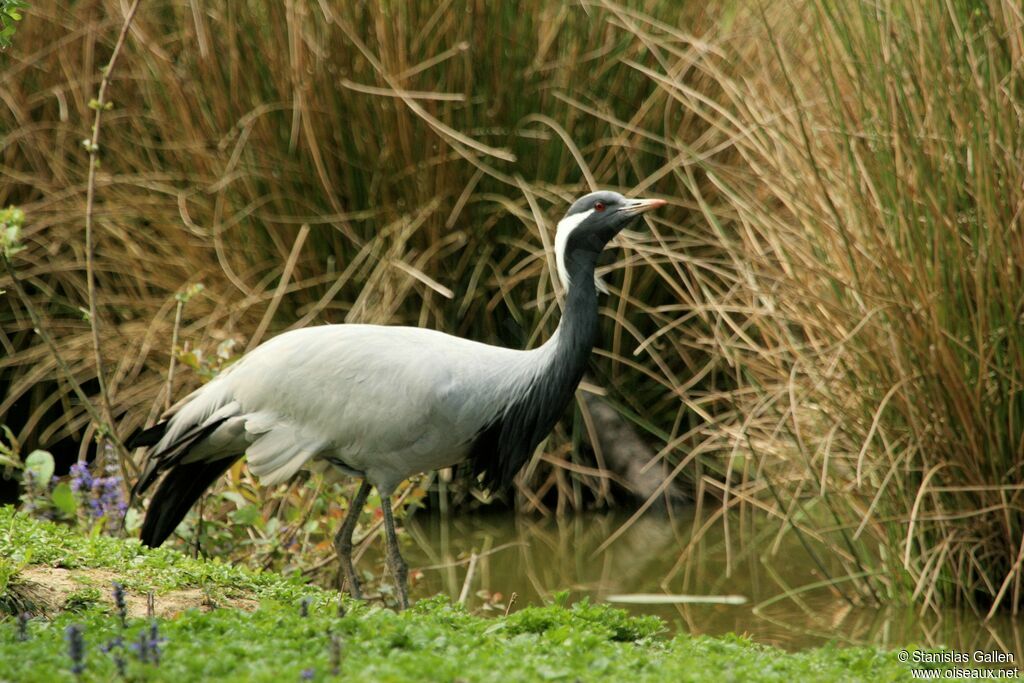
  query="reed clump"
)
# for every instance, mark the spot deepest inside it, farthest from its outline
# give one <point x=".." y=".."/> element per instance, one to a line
<point x="873" y="228"/>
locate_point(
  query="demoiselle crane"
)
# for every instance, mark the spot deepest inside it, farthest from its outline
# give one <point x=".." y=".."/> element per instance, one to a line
<point x="382" y="403"/>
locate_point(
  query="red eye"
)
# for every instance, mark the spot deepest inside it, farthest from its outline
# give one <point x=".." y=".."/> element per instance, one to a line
<point x="598" y="206"/>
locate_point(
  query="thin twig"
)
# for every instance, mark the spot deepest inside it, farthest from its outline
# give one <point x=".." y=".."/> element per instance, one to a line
<point x="464" y="595"/>
<point x="511" y="601"/>
<point x="93" y="148"/>
<point x="174" y="353"/>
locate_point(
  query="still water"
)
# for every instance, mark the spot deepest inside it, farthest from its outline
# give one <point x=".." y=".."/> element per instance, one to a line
<point x="537" y="557"/>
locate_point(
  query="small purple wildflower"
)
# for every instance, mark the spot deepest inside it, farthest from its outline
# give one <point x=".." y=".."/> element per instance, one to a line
<point x="307" y="674"/>
<point x="76" y="649"/>
<point x="115" y="648"/>
<point x="141" y="648"/>
<point x="304" y="608"/>
<point x="154" y="641"/>
<point x="102" y="497"/>
<point x="122" y="609"/>
<point x="32" y="493"/>
<point x="81" y="477"/>
<point x="112" y="644"/>
<point x="23" y="626"/>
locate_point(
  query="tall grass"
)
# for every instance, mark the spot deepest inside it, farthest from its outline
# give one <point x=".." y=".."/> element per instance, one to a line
<point x="874" y="227"/>
<point x="826" y="329"/>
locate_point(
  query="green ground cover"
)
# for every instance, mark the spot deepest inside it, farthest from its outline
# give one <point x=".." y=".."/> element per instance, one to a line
<point x="262" y="626"/>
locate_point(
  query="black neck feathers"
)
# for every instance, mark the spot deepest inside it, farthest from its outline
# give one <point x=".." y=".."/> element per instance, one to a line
<point x="504" y="446"/>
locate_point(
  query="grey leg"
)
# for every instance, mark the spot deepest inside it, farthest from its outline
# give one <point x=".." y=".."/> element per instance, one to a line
<point x="343" y="542"/>
<point x="395" y="561"/>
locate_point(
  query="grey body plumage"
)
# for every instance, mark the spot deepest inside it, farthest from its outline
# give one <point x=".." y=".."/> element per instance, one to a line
<point x="384" y="403"/>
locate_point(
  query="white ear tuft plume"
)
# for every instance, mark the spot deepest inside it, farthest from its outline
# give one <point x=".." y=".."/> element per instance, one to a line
<point x="565" y="228"/>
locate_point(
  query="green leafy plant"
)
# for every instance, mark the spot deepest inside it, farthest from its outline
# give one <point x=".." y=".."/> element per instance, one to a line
<point x="291" y="631"/>
<point x="11" y="221"/>
<point x="42" y="495"/>
<point x="10" y="14"/>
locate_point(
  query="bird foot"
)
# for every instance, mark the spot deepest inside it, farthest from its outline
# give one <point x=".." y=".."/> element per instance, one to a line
<point x="400" y="572"/>
<point x="347" y="580"/>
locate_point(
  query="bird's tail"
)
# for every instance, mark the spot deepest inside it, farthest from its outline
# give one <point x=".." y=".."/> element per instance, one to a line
<point x="179" y="490"/>
<point x="183" y="483"/>
<point x="146" y="437"/>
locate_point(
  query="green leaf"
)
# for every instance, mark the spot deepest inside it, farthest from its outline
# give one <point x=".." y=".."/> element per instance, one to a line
<point x="190" y="359"/>
<point x="63" y="499"/>
<point x="40" y="464"/>
<point x="249" y="514"/>
<point x="11" y="447"/>
<point x="235" y="498"/>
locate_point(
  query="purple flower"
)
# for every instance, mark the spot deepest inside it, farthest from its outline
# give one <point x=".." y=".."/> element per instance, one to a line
<point x="154" y="641"/>
<point x="122" y="609"/>
<point x="141" y="648"/>
<point x="112" y="644"/>
<point x="115" y="647"/>
<point x="148" y="646"/>
<point x="101" y="497"/>
<point x="307" y="674"/>
<point x="23" y="626"/>
<point x="76" y="649"/>
<point x="304" y="607"/>
<point x="81" y="478"/>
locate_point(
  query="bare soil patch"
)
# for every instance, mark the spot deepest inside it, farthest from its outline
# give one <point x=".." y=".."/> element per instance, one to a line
<point x="43" y="591"/>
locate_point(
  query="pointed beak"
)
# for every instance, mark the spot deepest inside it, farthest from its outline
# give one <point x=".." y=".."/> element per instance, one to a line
<point x="638" y="206"/>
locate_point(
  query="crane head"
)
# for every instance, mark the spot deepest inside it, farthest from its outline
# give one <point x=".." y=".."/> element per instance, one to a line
<point x="591" y="222"/>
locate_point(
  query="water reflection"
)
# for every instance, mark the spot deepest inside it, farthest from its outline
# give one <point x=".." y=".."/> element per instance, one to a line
<point x="537" y="557"/>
